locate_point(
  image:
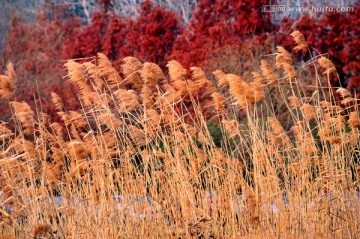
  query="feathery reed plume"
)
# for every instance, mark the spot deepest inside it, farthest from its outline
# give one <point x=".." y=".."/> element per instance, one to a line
<point x="308" y="111"/>
<point x="131" y="69"/>
<point x="279" y="137"/>
<point x="94" y="74"/>
<point x="201" y="80"/>
<point x="106" y="69"/>
<point x="231" y="127"/>
<point x="276" y="126"/>
<point x="85" y="93"/>
<point x="64" y="117"/>
<point x="326" y="105"/>
<point x="137" y="135"/>
<point x="131" y="65"/>
<point x="77" y="119"/>
<point x="5" y="133"/>
<point x="256" y="91"/>
<point x="343" y="92"/>
<point x="354" y="120"/>
<point x="273" y="139"/>
<point x="24" y="146"/>
<point x="74" y="133"/>
<point x="176" y="71"/>
<point x="283" y="60"/>
<point x="58" y="132"/>
<point x="76" y="71"/>
<point x="221" y="78"/>
<point x="258" y="78"/>
<point x="268" y="72"/>
<point x="190" y="129"/>
<point x="239" y="89"/>
<point x="327" y="65"/>
<point x="110" y="121"/>
<point x="25" y="115"/>
<point x="282" y="57"/>
<point x="57" y="101"/>
<point x="245" y="94"/>
<point x="192" y="87"/>
<point x="331" y="131"/>
<point x="148" y="97"/>
<point x="92" y="69"/>
<point x="170" y="95"/>
<point x="128" y="98"/>
<point x="337" y="123"/>
<point x="252" y="206"/>
<point x="177" y="75"/>
<point x="289" y="71"/>
<point x="294" y="102"/>
<point x="219" y="101"/>
<point x="44" y="119"/>
<point x="7" y="82"/>
<point x="199" y="76"/>
<point x="77" y="150"/>
<point x="152" y="119"/>
<point x="348" y="101"/>
<point x="151" y="74"/>
<point x="43" y="231"/>
<point x="101" y="100"/>
<point x="299" y="40"/>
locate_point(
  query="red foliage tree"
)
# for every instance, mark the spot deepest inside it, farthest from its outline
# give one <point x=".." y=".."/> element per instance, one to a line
<point x="152" y="35"/>
<point x="219" y="24"/>
<point x="149" y="38"/>
<point x="34" y="51"/>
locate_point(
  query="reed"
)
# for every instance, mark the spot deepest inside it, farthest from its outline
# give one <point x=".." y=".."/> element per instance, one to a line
<point x="139" y="159"/>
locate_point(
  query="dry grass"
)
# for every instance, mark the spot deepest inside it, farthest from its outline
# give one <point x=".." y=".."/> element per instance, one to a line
<point x="138" y="160"/>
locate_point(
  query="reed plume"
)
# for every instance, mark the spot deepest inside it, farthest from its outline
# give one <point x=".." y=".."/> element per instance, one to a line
<point x="327" y="65"/>
<point x="258" y="78"/>
<point x="57" y="101"/>
<point x="343" y="92"/>
<point x="131" y="69"/>
<point x="8" y="82"/>
<point x="308" y="112"/>
<point x="268" y="72"/>
<point x="354" y="120"/>
<point x="219" y="101"/>
<point x="107" y="70"/>
<point x="25" y="115"/>
<point x="284" y="61"/>
<point x="221" y="77"/>
<point x="299" y="40"/>
<point x="76" y="71"/>
<point x="129" y="100"/>
<point x="110" y="121"/>
<point x="43" y="231"/>
<point x="152" y="74"/>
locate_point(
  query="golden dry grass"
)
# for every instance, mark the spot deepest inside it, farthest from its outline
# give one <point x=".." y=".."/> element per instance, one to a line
<point x="139" y="159"/>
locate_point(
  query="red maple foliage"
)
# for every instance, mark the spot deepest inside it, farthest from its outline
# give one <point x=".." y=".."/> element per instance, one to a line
<point x="219" y="24"/>
<point x="34" y="51"/>
<point x="149" y="38"/>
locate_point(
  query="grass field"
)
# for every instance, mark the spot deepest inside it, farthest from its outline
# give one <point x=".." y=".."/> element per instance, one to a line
<point x="181" y="155"/>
